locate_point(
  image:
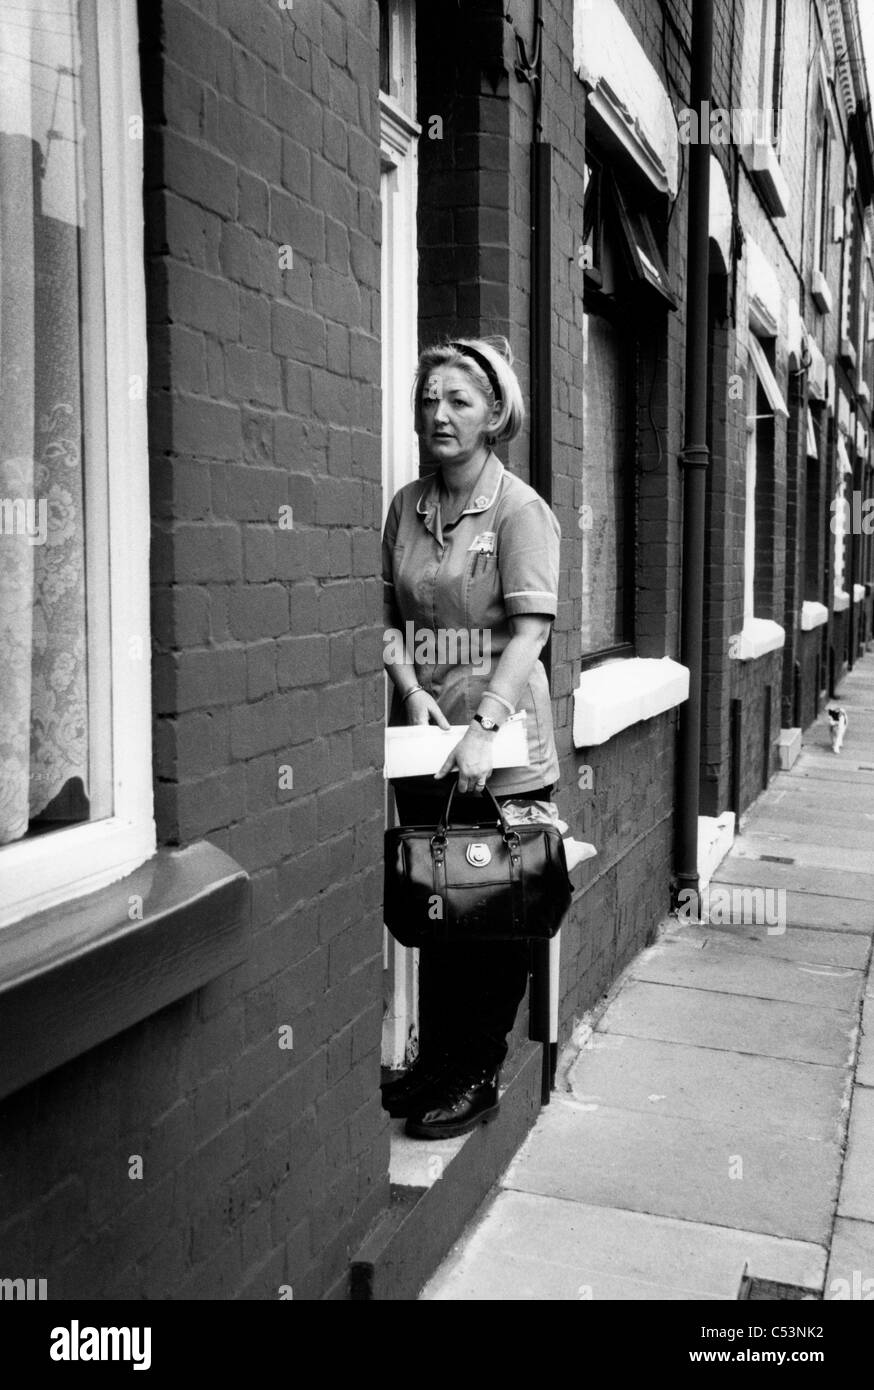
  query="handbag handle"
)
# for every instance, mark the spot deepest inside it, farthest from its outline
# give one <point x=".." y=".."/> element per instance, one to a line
<point x="444" y="823"/>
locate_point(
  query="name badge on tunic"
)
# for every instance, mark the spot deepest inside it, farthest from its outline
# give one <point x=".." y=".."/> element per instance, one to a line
<point x="484" y="543"/>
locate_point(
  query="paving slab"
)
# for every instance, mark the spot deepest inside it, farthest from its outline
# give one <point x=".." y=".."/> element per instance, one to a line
<point x="857" y="1188"/>
<point x="850" y="1276"/>
<point x="802" y="944"/>
<point x="724" y="1175"/>
<point x="806" y="854"/>
<point x="711" y="1088"/>
<point x="536" y="1248"/>
<point x="817" y="909"/>
<point x="837" y="771"/>
<point x="800" y="834"/>
<point x="834" y="883"/>
<point x="732" y="1023"/>
<point x="823" y="793"/>
<point x="718" y="967"/>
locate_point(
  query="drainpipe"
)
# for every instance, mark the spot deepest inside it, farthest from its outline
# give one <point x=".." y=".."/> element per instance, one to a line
<point x="694" y="458"/>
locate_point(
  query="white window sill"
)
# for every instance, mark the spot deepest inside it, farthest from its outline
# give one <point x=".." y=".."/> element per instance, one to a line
<point x="841" y="600"/>
<point x="75" y="975"/>
<point x="858" y="593"/>
<point x="764" y="166"/>
<point x="45" y="871"/>
<point x="621" y="693"/>
<point x="822" y="295"/>
<point x="757" y="637"/>
<point x="812" y="615"/>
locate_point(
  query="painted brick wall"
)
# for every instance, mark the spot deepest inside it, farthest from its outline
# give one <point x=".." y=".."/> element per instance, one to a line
<point x="262" y="1165"/>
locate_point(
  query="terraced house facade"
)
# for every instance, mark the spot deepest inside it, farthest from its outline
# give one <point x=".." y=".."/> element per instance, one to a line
<point x="225" y="229"/>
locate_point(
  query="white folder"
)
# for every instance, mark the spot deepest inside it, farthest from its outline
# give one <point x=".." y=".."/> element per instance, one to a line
<point x="415" y="750"/>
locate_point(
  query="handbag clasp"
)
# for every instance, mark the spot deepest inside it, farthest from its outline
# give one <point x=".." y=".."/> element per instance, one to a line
<point x="478" y="855"/>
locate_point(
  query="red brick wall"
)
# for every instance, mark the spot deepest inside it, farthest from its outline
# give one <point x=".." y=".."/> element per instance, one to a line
<point x="262" y="1166"/>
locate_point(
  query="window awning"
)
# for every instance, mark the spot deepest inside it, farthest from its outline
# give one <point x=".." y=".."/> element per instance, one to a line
<point x="812" y="448"/>
<point x="626" y="97"/>
<point x="763" y="371"/>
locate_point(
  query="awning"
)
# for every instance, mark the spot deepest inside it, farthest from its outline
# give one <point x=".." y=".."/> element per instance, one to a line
<point x="628" y="105"/>
<point x="812" y="448"/>
<point x="769" y="382"/>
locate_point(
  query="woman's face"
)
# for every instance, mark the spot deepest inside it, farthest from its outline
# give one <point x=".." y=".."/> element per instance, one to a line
<point x="454" y="415"/>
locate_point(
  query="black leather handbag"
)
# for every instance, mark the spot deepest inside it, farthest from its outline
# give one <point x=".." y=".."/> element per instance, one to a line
<point x="487" y="882"/>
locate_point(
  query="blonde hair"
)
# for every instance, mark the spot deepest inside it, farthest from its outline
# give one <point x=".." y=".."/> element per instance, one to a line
<point x="505" y="401"/>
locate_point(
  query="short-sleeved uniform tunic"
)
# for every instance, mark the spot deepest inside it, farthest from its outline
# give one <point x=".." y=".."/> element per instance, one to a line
<point x="498" y="560"/>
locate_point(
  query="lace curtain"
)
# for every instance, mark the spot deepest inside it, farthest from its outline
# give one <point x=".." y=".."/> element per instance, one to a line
<point x="43" y="673"/>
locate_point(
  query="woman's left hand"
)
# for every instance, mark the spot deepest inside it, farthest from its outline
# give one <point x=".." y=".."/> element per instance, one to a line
<point x="474" y="759"/>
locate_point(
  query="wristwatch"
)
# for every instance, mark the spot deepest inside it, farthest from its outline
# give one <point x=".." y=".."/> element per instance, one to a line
<point x="491" y="726"/>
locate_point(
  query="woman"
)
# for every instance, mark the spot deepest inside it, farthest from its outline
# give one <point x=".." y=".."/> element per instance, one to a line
<point x="470" y="552"/>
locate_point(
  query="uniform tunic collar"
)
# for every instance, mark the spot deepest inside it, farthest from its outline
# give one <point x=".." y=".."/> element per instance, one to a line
<point x="486" y="491"/>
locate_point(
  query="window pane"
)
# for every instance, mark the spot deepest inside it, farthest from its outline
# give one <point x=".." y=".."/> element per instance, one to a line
<point x="51" y="411"/>
<point x="604" y="450"/>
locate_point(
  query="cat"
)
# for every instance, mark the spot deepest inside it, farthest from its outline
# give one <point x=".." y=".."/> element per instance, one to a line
<point x="837" y="718"/>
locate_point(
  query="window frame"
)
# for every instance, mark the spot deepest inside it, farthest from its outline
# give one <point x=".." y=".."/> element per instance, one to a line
<point x="770" y="82"/>
<point x="399" y="136"/>
<point x="642" y="291"/>
<point x="71" y="862"/>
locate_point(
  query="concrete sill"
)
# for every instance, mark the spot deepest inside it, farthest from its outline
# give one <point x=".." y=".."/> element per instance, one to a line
<point x="764" y="167"/>
<point x="614" y="696"/>
<point x="788" y="748"/>
<point x="820" y="292"/>
<point x="841" y="600"/>
<point x="73" y="976"/>
<point x="848" y="352"/>
<point x="758" y="637"/>
<point x="715" y="839"/>
<point x="812" y="615"/>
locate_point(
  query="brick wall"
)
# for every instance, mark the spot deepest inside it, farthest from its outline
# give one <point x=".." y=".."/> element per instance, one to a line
<point x="262" y="1165"/>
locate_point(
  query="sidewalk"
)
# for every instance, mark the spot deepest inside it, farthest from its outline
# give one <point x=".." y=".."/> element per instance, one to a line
<point x="720" y="1114"/>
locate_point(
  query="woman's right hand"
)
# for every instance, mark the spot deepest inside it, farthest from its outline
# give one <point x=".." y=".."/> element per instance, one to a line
<point x="422" y="708"/>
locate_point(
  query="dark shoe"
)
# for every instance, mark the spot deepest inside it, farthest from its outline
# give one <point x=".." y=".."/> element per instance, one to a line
<point x="457" y="1105"/>
<point x="411" y="1092"/>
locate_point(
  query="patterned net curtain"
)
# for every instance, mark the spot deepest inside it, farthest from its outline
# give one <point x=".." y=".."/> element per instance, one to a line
<point x="43" y="674"/>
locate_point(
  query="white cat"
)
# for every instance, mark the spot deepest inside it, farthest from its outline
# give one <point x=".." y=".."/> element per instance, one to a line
<point x="837" y="718"/>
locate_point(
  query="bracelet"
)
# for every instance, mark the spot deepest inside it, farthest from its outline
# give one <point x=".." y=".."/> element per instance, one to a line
<point x="411" y="692"/>
<point x="500" y="699"/>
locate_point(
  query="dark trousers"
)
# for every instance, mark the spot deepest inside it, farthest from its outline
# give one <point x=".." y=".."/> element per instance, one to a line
<point x="468" y="994"/>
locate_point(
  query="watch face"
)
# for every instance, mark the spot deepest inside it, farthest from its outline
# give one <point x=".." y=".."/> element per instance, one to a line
<point x="487" y="723"/>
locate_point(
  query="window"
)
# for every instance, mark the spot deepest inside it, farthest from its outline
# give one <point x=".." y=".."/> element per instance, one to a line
<point x="771" y="64"/>
<point x="813" y="585"/>
<point x="625" y="285"/>
<point x="75" y="731"/>
<point x="764" y="401"/>
<point x="821" y="187"/>
<point x="843" y="582"/>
